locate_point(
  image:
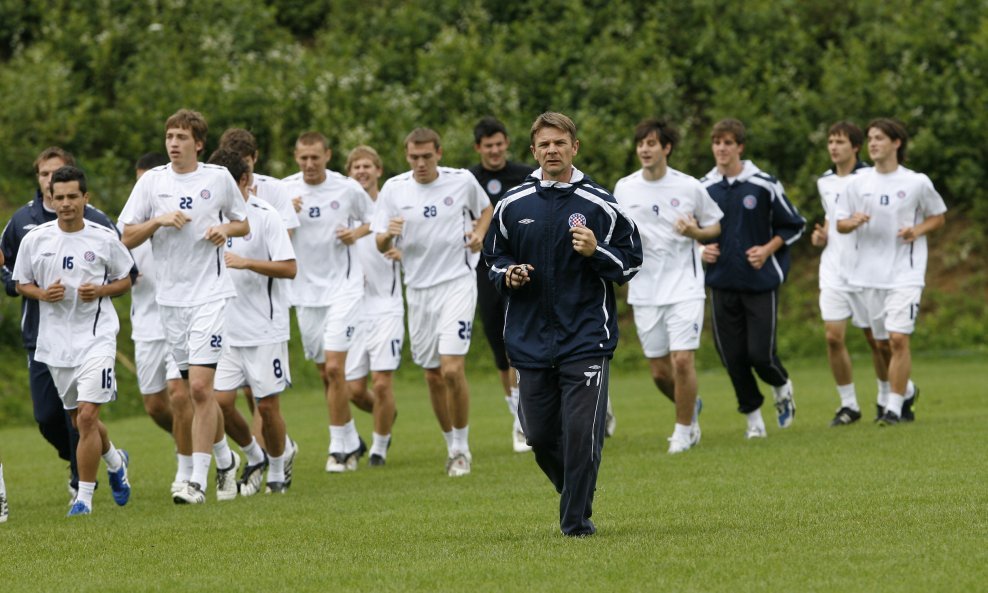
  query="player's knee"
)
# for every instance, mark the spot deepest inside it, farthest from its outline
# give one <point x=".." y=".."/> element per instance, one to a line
<point x="86" y="417"/>
<point x="268" y="407"/>
<point x="155" y="405"/>
<point x="682" y="363"/>
<point x="899" y="342"/>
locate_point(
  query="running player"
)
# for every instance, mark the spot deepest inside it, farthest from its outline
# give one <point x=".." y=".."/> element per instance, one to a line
<point x="270" y="189"/>
<point x="72" y="266"/>
<point x="380" y="330"/>
<point x="496" y="174"/>
<point x="327" y="291"/>
<point x="440" y="215"/>
<point x="672" y="211"/>
<point x="890" y="210"/>
<point x="257" y="330"/>
<point x="181" y="208"/>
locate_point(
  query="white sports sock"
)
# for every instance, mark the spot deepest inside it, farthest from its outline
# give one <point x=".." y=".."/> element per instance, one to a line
<point x="848" y="397"/>
<point x="352" y="442"/>
<point x="113" y="458"/>
<point x="461" y="436"/>
<point x="782" y="391"/>
<point x="755" y="419"/>
<point x="184" y="473"/>
<point x="337" y="439"/>
<point x="681" y="432"/>
<point x="380" y="446"/>
<point x="222" y="453"/>
<point x="85" y="493"/>
<point x="200" y="469"/>
<point x="276" y="468"/>
<point x="884" y="389"/>
<point x="253" y="452"/>
<point x="3" y="487"/>
<point x="449" y="442"/>
<point x="895" y="403"/>
<point x="910" y="389"/>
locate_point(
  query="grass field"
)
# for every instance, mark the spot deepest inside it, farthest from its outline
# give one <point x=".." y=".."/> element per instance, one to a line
<point x="812" y="508"/>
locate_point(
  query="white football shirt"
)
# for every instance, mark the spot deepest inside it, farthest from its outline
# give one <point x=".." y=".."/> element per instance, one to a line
<point x="437" y="216"/>
<point x="191" y="269"/>
<point x="71" y="331"/>
<point x="259" y="314"/>
<point x="382" y="281"/>
<point x="273" y="191"/>
<point x="145" y="321"/>
<point x="837" y="258"/>
<point x="671" y="271"/>
<point x="894" y="201"/>
<point x="328" y="269"/>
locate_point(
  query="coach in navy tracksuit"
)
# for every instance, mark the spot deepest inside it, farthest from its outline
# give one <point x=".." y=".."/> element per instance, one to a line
<point x="744" y="272"/>
<point x="555" y="247"/>
<point x="53" y="421"/>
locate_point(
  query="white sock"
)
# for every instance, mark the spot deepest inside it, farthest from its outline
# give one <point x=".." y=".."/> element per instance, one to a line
<point x="782" y="391"/>
<point x="223" y="455"/>
<point x="337" y="439"/>
<point x="895" y="403"/>
<point x="85" y="493"/>
<point x="3" y="487"/>
<point x="352" y="442"/>
<point x="200" y="469"/>
<point x="461" y="437"/>
<point x="884" y="389"/>
<point x="449" y="442"/>
<point x="288" y="442"/>
<point x="755" y="419"/>
<point x="112" y="458"/>
<point x="910" y="389"/>
<point x="276" y="468"/>
<point x="848" y="397"/>
<point x="380" y="446"/>
<point x="681" y="432"/>
<point x="253" y="452"/>
<point x="184" y="473"/>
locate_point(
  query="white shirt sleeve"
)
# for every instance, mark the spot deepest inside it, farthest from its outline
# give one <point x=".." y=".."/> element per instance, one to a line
<point x="477" y="198"/>
<point x="119" y="262"/>
<point x="930" y="199"/>
<point x="236" y="206"/>
<point x="382" y="211"/>
<point x="137" y="209"/>
<point x="23" y="271"/>
<point x="279" y="245"/>
<point x="707" y="212"/>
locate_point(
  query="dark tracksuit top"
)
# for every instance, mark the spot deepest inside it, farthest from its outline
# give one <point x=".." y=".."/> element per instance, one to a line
<point x="561" y="328"/>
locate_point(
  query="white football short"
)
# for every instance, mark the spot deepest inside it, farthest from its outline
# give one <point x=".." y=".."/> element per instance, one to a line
<point x="840" y="305"/>
<point x="376" y="346"/>
<point x="666" y="328"/>
<point x="440" y="319"/>
<point x="194" y="334"/>
<point x="155" y="366"/>
<point x="892" y="310"/>
<point x="262" y="368"/>
<point x="328" y="328"/>
<point x="93" y="381"/>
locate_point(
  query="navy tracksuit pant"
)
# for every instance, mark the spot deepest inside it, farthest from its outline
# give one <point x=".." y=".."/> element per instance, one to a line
<point x="562" y="411"/>
<point x="53" y="420"/>
<point x="744" y="331"/>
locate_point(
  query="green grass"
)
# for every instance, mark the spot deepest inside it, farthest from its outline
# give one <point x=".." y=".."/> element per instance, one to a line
<point x="811" y="508"/>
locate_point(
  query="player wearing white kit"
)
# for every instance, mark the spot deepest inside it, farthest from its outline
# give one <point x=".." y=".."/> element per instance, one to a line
<point x="255" y="353"/>
<point x="188" y="210"/>
<point x="672" y="211"/>
<point x="380" y="330"/>
<point x="839" y="300"/>
<point x="440" y="215"/>
<point x="73" y="267"/>
<point x="327" y="291"/>
<point x="270" y="189"/>
<point x="889" y="210"/>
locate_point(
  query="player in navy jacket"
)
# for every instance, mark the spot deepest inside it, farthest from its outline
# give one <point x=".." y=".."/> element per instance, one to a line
<point x="556" y="245"/>
<point x="744" y="271"/>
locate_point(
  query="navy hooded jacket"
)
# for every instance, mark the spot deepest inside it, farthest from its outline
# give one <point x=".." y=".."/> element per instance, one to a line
<point x="567" y="312"/>
<point x="756" y="209"/>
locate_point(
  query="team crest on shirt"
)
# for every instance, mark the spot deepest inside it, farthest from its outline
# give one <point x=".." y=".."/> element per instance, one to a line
<point x="248" y="236"/>
<point x="900" y="194"/>
<point x="204" y="194"/>
<point x="334" y="205"/>
<point x="675" y="202"/>
<point x="494" y="187"/>
<point x="448" y="201"/>
<point x="749" y="202"/>
<point x="89" y="256"/>
<point x="577" y="219"/>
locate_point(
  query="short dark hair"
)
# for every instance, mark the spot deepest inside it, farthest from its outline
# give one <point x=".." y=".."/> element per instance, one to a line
<point x="895" y="130"/>
<point x="53" y="152"/>
<point x="241" y="147"/>
<point x="242" y="138"/>
<point x="187" y="119"/>
<point x="312" y="138"/>
<point x="423" y="136"/>
<point x="232" y="160"/>
<point x="487" y="127"/>
<point x="667" y="134"/>
<point x="731" y="126"/>
<point x="66" y="174"/>
<point x="847" y="129"/>
<point x="150" y="161"/>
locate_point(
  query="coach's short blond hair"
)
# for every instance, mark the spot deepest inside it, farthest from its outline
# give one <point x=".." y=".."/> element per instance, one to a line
<point x="552" y="119"/>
